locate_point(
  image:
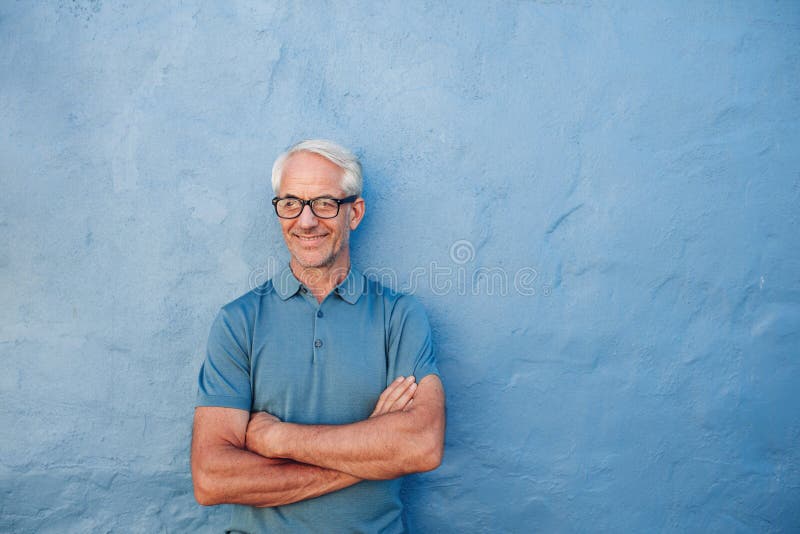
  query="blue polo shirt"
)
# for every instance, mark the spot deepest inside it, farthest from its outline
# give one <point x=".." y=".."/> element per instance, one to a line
<point x="277" y="349"/>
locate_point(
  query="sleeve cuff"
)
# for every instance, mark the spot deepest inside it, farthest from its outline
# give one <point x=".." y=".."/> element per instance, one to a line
<point x="222" y="401"/>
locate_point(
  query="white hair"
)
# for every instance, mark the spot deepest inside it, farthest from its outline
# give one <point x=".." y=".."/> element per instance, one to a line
<point x="352" y="182"/>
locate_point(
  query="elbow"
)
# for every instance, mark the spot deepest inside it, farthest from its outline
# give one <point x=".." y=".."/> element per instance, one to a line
<point x="435" y="460"/>
<point x="206" y="491"/>
<point x="426" y="456"/>
<point x="427" y="448"/>
<point x="432" y="457"/>
<point x="433" y="445"/>
<point x="203" y="499"/>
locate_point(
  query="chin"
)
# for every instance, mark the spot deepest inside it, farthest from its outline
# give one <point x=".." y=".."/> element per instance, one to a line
<point x="313" y="262"/>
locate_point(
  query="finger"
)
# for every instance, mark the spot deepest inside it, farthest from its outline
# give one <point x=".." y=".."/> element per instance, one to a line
<point x="390" y="394"/>
<point x="408" y="406"/>
<point x="402" y="400"/>
<point x="398" y="392"/>
<point x="386" y="394"/>
<point x="379" y="407"/>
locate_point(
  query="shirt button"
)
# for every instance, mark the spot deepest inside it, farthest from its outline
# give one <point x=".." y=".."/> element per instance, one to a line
<point x="319" y="313"/>
<point x="318" y="343"/>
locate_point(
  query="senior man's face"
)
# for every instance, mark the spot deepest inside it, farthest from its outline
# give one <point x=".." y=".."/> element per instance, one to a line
<point x="315" y="242"/>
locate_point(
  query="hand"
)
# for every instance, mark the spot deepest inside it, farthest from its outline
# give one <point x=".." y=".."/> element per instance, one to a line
<point x="260" y="433"/>
<point x="398" y="396"/>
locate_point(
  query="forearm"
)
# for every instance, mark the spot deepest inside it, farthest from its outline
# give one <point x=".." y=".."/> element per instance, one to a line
<point x="382" y="447"/>
<point x="230" y="475"/>
<point x="403" y="435"/>
<point x="235" y="476"/>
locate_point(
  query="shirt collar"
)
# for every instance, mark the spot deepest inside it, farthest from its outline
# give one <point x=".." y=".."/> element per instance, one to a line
<point x="350" y="289"/>
<point x="285" y="284"/>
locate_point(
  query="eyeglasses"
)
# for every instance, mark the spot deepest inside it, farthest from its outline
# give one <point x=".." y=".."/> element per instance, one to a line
<point x="321" y="207"/>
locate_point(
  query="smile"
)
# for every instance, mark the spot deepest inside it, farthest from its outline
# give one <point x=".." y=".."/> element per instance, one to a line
<point x="311" y="238"/>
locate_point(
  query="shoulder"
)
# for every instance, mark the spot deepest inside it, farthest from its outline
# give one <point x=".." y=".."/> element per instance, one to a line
<point x="375" y="289"/>
<point x="398" y="305"/>
<point x="246" y="306"/>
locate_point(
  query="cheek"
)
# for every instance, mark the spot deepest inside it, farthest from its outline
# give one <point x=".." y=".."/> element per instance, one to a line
<point x="285" y="227"/>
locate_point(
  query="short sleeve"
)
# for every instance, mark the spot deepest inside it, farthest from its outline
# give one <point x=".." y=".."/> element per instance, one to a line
<point x="225" y="375"/>
<point x="411" y="350"/>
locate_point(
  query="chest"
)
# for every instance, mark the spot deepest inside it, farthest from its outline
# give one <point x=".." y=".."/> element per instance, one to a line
<point x="324" y="365"/>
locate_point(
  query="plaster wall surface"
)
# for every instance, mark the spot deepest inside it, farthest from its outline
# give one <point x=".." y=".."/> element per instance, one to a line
<point x="597" y="203"/>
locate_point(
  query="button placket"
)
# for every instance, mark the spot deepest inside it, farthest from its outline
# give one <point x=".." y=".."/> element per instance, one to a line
<point x="318" y="342"/>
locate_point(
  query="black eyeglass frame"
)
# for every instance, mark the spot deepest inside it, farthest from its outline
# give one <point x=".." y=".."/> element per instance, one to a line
<point x="303" y="203"/>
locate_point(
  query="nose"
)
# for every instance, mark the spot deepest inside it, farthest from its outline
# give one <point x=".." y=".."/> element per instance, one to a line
<point x="307" y="219"/>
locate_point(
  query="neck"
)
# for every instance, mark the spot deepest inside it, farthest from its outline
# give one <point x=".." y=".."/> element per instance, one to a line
<point x="320" y="280"/>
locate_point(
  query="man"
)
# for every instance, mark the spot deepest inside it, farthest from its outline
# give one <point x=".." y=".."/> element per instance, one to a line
<point x="320" y="387"/>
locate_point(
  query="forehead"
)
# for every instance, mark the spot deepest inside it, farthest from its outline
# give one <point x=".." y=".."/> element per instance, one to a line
<point x="306" y="174"/>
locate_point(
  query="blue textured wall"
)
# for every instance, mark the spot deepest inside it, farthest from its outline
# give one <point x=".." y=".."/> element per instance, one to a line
<point x="631" y="172"/>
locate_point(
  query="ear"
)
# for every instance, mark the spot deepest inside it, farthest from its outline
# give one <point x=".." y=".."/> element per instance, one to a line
<point x="357" y="213"/>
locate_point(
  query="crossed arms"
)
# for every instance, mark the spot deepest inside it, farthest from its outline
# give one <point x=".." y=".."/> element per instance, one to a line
<point x="259" y="461"/>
